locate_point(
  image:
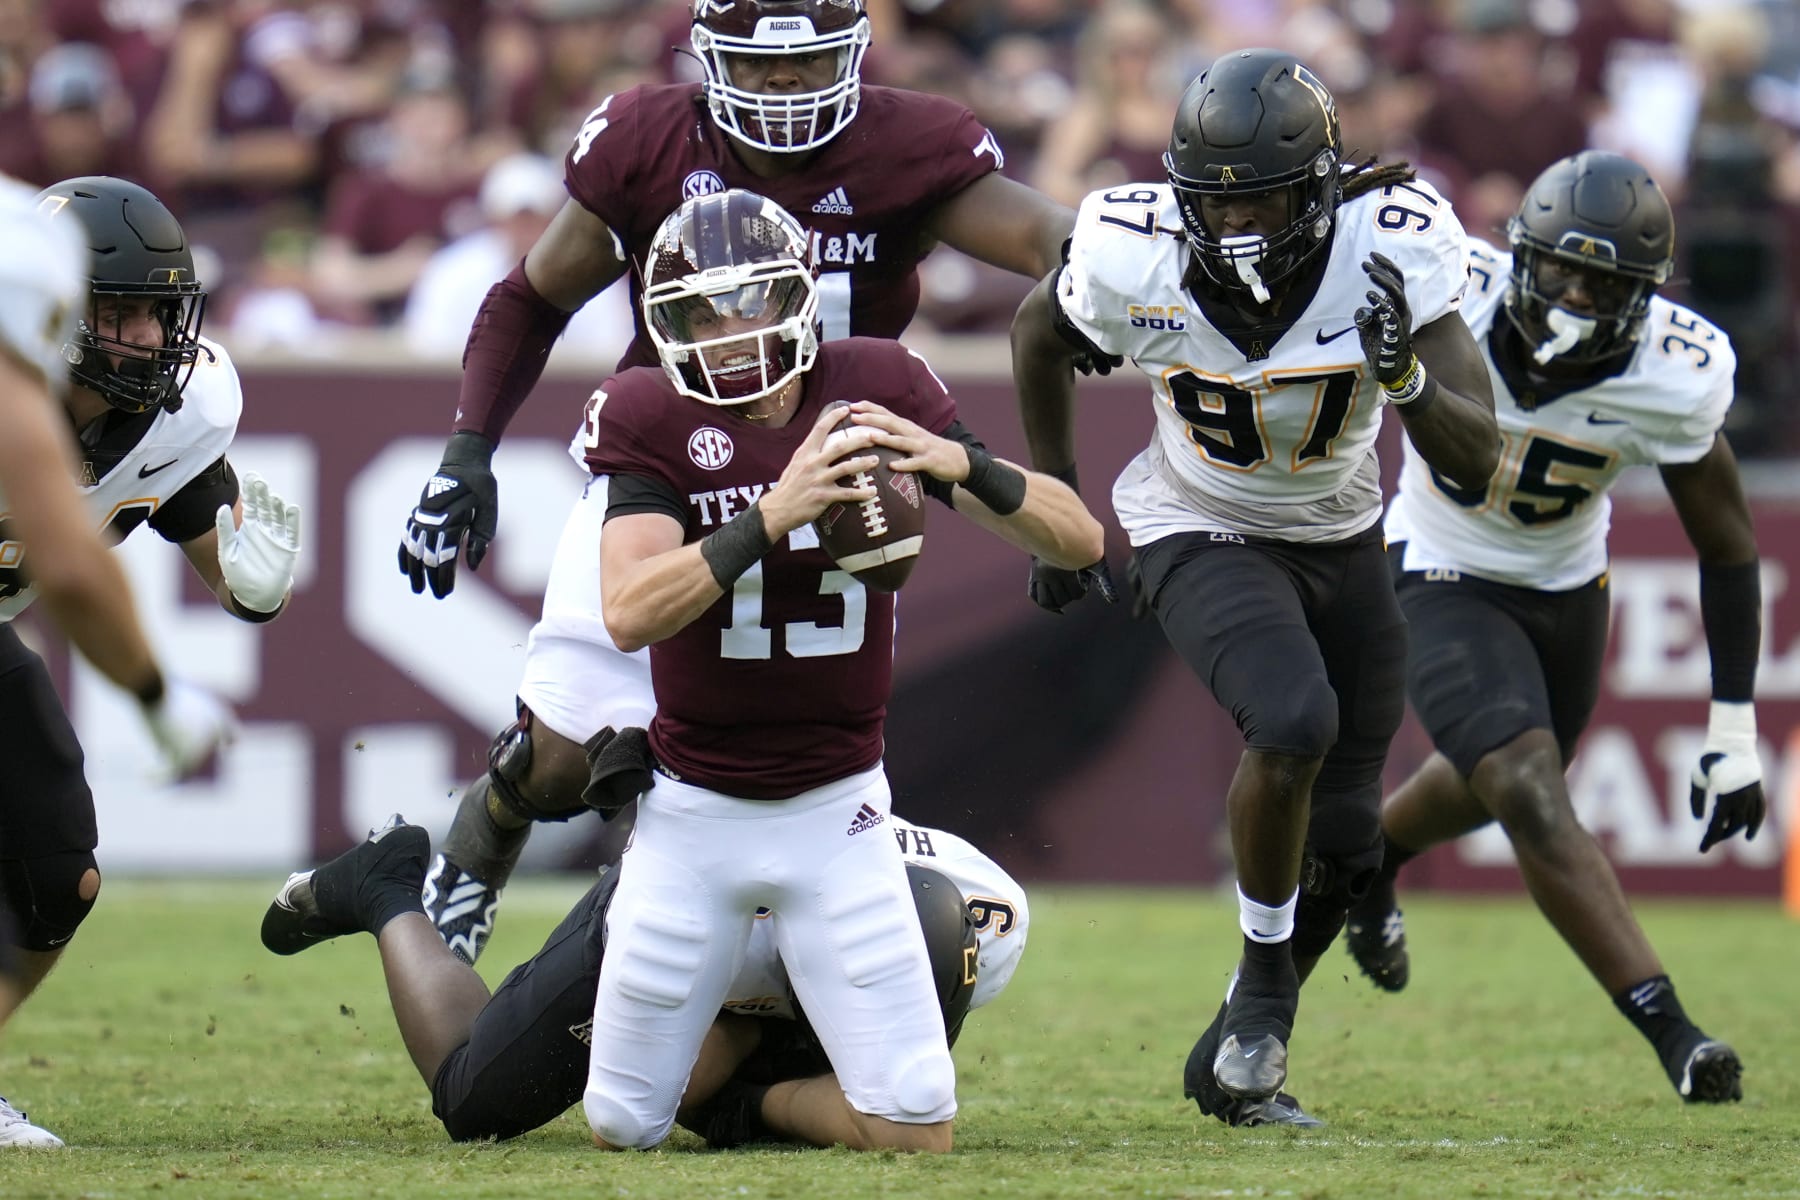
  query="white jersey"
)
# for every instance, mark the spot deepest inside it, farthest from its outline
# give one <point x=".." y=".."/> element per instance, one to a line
<point x="994" y="897"/>
<point x="176" y="448"/>
<point x="43" y="279"/>
<point x="1542" y="520"/>
<point x="1277" y="438"/>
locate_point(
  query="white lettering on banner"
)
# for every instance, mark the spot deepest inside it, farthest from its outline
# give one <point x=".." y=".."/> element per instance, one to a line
<point x="1639" y="810"/>
<point x="257" y="810"/>
<point x="1660" y="642"/>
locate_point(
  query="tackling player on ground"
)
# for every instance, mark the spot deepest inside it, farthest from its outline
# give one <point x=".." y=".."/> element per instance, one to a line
<point x="879" y="175"/>
<point x="1279" y="301"/>
<point x="1504" y="586"/>
<point x="150" y="411"/>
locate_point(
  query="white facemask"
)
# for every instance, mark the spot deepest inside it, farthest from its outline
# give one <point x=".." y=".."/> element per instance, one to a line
<point x="1567" y="331"/>
<point x="1244" y="251"/>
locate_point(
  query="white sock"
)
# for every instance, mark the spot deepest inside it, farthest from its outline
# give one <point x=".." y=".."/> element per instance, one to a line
<point x="1264" y="923"/>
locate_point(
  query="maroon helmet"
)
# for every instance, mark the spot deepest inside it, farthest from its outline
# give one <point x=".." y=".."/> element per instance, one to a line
<point x="732" y="257"/>
<point x="795" y="121"/>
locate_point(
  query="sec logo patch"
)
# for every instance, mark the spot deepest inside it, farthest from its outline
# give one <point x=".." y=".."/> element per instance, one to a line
<point x="709" y="448"/>
<point x="701" y="183"/>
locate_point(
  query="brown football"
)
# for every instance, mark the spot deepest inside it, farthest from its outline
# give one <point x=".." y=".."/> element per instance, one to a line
<point x="878" y="540"/>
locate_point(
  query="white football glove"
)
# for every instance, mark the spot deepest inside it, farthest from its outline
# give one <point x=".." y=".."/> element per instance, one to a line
<point x="258" y="558"/>
<point x="189" y="723"/>
<point x="1728" y="771"/>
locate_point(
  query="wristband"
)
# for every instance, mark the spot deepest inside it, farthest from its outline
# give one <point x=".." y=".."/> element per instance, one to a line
<point x="1000" y="487"/>
<point x="736" y="546"/>
<point x="1409" y="387"/>
<point x="1067" y="475"/>
<point x="1731" y="727"/>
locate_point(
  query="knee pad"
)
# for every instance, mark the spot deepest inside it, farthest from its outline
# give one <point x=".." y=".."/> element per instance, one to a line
<point x="925" y="1089"/>
<point x="1303" y="724"/>
<point x="619" y="1126"/>
<point x="950" y="942"/>
<point x="1329" y="886"/>
<point x="509" y="766"/>
<point x="45" y="896"/>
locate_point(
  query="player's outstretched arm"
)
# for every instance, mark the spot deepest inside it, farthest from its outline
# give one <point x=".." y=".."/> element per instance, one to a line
<point x="652" y="585"/>
<point x="1043" y="364"/>
<point x="1709" y="498"/>
<point x="1005" y="224"/>
<point x="1033" y="511"/>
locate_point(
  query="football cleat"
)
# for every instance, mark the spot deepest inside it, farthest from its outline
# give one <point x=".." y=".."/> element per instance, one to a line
<point x="1706" y="1071"/>
<point x="1251" y="1061"/>
<point x="329" y="901"/>
<point x="1279" y="1109"/>
<point x="17" y="1130"/>
<point x="1199" y="1085"/>
<point x="1377" y="941"/>
<point x="461" y="907"/>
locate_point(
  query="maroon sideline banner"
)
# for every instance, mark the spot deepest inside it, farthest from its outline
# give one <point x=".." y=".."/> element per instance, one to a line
<point x="1072" y="748"/>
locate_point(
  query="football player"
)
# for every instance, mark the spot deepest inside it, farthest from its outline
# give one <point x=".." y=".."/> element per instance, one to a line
<point x="151" y="407"/>
<point x="878" y="175"/>
<point x="502" y="1065"/>
<point x="1504" y="586"/>
<point x="1279" y="301"/>
<point x="718" y="465"/>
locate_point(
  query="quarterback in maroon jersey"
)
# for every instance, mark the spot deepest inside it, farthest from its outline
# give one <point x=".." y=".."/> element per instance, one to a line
<point x="771" y="669"/>
<point x="876" y="175"/>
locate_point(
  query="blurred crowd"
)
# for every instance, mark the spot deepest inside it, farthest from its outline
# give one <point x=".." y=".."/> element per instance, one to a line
<point x="381" y="162"/>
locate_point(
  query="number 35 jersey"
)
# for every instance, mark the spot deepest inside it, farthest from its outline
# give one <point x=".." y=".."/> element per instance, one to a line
<point x="1542" y="520"/>
<point x="1266" y="435"/>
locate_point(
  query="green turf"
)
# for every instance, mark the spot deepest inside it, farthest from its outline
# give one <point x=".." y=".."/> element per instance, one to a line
<point x="179" y="1059"/>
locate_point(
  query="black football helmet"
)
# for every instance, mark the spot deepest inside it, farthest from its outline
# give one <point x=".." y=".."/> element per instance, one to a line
<point x="735" y="255"/>
<point x="792" y="122"/>
<point x="1256" y="121"/>
<point x="138" y="251"/>
<point x="1599" y="219"/>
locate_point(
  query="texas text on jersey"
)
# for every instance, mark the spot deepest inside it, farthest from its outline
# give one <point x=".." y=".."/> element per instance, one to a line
<point x="995" y="900"/>
<point x="164" y="468"/>
<point x="1542" y="520"/>
<point x="1266" y="431"/>
<point x="782" y="685"/>
<point x="862" y="195"/>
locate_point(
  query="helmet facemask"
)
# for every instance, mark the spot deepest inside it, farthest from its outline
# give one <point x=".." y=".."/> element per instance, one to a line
<point x="133" y="376"/>
<point x="1252" y="263"/>
<point x="791" y="122"/>
<point x="686" y="316"/>
<point x="1619" y="294"/>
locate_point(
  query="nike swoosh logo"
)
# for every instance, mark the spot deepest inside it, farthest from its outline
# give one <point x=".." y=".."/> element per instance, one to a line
<point x="1595" y="418"/>
<point x="1324" y="338"/>
<point x="146" y="471"/>
<point x="1253" y="1053"/>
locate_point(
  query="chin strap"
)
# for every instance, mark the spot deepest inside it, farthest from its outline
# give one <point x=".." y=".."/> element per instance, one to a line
<point x="1567" y="331"/>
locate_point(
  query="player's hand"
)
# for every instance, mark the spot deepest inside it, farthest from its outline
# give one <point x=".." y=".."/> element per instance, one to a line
<point x="1730" y="773"/>
<point x="457" y="514"/>
<point x="925" y="452"/>
<point x="817" y="476"/>
<point x="258" y="557"/>
<point x="188" y="725"/>
<point x="1054" y="588"/>
<point x="1095" y="361"/>
<point x="1385" y="326"/>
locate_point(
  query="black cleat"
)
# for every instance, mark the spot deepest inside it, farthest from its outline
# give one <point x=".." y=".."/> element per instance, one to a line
<point x="1251" y="1062"/>
<point x="461" y="906"/>
<point x="1705" y="1071"/>
<point x="1377" y="941"/>
<point x="1200" y="1086"/>
<point x="338" y="898"/>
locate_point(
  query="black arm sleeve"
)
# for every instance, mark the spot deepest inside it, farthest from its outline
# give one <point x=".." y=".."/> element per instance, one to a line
<point x="193" y="510"/>
<point x="1731" y="611"/>
<point x="937" y="489"/>
<point x="628" y="494"/>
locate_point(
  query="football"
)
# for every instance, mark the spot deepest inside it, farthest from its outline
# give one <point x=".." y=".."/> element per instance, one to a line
<point x="878" y="541"/>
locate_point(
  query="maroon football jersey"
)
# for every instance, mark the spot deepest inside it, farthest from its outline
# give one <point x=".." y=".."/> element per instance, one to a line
<point x="782" y="685"/>
<point x="863" y="196"/>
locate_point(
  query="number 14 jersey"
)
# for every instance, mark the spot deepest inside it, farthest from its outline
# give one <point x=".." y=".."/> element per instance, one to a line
<point x="1265" y="434"/>
<point x="1541" y="522"/>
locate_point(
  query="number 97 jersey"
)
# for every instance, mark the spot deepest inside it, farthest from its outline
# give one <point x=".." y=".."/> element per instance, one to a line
<point x="1541" y="521"/>
<point x="1265" y="430"/>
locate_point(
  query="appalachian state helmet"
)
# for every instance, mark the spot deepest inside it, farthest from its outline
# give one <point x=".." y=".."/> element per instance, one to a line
<point x="795" y="121"/>
<point x="1598" y="220"/>
<point x="1256" y="121"/>
<point x="138" y="251"/>
<point x="731" y="255"/>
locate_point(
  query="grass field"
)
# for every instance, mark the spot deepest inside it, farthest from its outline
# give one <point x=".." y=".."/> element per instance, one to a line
<point x="180" y="1059"/>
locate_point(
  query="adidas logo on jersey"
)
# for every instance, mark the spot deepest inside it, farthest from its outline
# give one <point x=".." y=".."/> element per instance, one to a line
<point x="866" y="819"/>
<point x="836" y="203"/>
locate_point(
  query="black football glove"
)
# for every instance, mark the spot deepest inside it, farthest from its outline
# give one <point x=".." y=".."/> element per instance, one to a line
<point x="619" y="766"/>
<point x="461" y="501"/>
<point x="1385" y="326"/>
<point x="1055" y="589"/>
<point x="1095" y="361"/>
